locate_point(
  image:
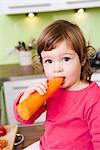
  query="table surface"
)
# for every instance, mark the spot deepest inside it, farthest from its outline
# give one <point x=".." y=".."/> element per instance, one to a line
<point x="31" y="134"/>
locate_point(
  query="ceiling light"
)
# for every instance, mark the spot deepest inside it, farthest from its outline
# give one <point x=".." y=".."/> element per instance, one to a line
<point x="80" y="11"/>
<point x="31" y="14"/>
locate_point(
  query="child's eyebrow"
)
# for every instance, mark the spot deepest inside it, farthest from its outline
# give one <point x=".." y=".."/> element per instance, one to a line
<point x="62" y="54"/>
<point x="46" y="57"/>
<point x="67" y="54"/>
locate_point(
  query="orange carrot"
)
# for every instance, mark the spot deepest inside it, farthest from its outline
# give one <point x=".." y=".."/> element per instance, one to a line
<point x="31" y="104"/>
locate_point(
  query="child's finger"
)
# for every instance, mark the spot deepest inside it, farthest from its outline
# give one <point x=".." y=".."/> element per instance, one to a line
<point x="44" y="84"/>
<point x="24" y="96"/>
<point x="27" y="92"/>
<point x="40" y="87"/>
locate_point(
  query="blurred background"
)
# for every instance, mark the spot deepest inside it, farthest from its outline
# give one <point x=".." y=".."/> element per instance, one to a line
<point x="21" y="22"/>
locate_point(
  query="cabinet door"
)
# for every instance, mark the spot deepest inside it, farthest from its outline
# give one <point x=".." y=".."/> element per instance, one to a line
<point x="11" y="90"/>
<point x="26" y="6"/>
<point x="76" y="4"/>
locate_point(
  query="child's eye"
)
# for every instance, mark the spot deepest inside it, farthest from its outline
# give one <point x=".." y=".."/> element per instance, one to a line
<point x="49" y="61"/>
<point x="66" y="58"/>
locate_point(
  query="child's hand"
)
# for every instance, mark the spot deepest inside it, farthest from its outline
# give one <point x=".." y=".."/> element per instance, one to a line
<point x="41" y="88"/>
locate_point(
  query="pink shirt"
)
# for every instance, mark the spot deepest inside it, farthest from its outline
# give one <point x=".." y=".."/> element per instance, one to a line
<point x="72" y="121"/>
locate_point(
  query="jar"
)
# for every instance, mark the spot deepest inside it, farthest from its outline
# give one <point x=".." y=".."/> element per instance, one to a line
<point x="25" y="58"/>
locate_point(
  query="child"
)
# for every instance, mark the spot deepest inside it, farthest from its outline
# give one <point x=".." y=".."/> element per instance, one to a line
<point x="73" y="111"/>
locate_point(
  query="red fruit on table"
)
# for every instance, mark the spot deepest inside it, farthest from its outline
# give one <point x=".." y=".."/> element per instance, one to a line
<point x="2" y="130"/>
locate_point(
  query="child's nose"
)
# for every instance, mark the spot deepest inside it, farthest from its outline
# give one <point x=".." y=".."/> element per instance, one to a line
<point x="58" y="67"/>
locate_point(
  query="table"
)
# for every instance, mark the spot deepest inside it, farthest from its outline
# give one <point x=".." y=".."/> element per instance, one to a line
<point x="31" y="134"/>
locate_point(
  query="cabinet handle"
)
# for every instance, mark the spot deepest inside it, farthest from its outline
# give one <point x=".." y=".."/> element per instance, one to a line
<point x="21" y="87"/>
<point x="31" y="6"/>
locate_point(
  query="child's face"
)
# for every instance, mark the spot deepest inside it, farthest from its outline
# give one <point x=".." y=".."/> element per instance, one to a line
<point x="62" y="61"/>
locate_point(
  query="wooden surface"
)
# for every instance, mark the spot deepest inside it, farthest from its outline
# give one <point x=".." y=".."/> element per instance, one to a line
<point x="31" y="134"/>
<point x="11" y="134"/>
<point x="15" y="70"/>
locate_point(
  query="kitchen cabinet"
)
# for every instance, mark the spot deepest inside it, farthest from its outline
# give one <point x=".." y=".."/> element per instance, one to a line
<point x="76" y="4"/>
<point x="26" y="6"/>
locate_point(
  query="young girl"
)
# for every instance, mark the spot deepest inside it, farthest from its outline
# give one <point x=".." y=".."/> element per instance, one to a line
<point x="73" y="111"/>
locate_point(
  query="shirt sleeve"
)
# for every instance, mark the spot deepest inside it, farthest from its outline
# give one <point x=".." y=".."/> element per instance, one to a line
<point x="93" y="119"/>
<point x="33" y="118"/>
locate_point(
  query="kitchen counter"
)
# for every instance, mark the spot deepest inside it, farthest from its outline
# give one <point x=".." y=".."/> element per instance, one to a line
<point x="14" y="71"/>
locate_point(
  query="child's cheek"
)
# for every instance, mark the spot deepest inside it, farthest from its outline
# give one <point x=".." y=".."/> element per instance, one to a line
<point x="48" y="74"/>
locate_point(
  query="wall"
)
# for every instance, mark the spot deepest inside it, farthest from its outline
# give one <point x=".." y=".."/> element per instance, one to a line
<point x="14" y="28"/>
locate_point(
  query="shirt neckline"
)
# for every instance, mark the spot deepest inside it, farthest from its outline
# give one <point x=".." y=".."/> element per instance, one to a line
<point x="91" y="85"/>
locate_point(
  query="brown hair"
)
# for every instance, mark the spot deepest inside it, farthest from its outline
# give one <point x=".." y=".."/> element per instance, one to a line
<point x="63" y="30"/>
